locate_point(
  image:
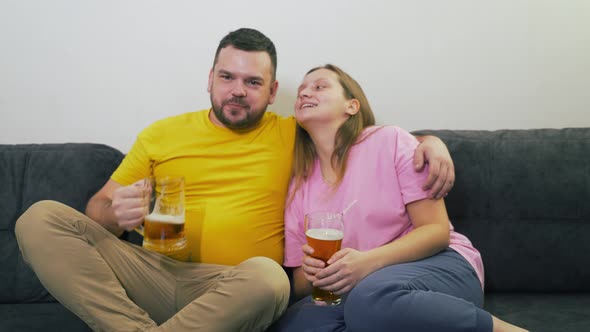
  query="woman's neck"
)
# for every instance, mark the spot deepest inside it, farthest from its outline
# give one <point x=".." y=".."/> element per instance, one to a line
<point x="324" y="144"/>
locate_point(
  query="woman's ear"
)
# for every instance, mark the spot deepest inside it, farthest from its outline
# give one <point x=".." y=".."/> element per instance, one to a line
<point x="352" y="107"/>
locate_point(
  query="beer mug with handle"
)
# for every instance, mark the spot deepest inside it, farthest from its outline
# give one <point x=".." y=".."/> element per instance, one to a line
<point x="324" y="232"/>
<point x="163" y="225"/>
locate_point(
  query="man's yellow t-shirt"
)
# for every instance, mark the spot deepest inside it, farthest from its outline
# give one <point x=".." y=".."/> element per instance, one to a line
<point x="242" y="179"/>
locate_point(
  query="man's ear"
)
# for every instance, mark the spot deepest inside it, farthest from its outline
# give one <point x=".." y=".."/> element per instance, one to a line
<point x="210" y="81"/>
<point x="274" y="87"/>
<point x="352" y="107"/>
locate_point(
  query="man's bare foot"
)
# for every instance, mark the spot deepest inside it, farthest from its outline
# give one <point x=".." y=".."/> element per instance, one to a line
<point x="502" y="326"/>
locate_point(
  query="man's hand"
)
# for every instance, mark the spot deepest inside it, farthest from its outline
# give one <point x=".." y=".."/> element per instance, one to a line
<point x="130" y="204"/>
<point x="441" y="177"/>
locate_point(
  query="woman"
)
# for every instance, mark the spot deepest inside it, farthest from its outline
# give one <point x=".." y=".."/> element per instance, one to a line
<point x="402" y="267"/>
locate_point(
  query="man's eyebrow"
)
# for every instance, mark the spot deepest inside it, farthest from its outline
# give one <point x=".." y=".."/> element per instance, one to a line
<point x="253" y="77"/>
<point x="256" y="78"/>
<point x="223" y="71"/>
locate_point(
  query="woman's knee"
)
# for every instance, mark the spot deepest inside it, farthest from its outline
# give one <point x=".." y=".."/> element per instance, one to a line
<point x="375" y="286"/>
<point x="369" y="303"/>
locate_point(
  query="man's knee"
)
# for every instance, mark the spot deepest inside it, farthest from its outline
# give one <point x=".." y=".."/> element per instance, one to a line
<point x="35" y="217"/>
<point x="31" y="226"/>
<point x="273" y="281"/>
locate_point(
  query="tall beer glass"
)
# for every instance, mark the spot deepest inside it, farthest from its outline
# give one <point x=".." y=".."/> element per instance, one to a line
<point x="163" y="225"/>
<point x="324" y="232"/>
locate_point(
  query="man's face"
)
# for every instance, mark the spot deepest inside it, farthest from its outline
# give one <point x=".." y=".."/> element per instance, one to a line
<point x="241" y="87"/>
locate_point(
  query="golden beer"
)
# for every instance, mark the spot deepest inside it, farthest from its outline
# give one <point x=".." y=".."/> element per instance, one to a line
<point x="163" y="225"/>
<point x="325" y="243"/>
<point x="164" y="233"/>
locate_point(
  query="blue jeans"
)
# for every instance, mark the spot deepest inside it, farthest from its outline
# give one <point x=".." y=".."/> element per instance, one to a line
<point x="439" y="293"/>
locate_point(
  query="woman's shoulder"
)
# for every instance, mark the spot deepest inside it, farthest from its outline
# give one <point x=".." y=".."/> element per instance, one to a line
<point x="379" y="133"/>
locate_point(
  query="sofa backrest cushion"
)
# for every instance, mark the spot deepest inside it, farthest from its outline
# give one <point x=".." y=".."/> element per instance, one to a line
<point x="69" y="173"/>
<point x="521" y="196"/>
<point x="523" y="199"/>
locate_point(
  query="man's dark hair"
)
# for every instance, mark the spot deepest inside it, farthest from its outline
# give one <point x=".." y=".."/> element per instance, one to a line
<point x="250" y="40"/>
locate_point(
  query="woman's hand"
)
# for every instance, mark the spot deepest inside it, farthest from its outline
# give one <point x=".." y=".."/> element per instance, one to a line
<point x="346" y="268"/>
<point x="310" y="266"/>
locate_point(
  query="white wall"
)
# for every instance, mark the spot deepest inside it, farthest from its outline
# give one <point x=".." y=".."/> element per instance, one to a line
<point x="100" y="71"/>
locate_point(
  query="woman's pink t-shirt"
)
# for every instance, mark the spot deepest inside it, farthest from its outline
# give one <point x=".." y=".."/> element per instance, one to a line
<point x="380" y="176"/>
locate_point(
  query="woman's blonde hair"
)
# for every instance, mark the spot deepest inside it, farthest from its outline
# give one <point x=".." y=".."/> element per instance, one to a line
<point x="346" y="136"/>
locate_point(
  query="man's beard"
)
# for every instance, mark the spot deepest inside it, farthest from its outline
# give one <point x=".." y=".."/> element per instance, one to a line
<point x="251" y="120"/>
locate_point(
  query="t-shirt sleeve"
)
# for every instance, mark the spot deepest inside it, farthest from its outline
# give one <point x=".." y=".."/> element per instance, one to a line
<point x="410" y="181"/>
<point x="294" y="230"/>
<point x="137" y="163"/>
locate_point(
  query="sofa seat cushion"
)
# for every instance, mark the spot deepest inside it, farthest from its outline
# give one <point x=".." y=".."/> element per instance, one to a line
<point x="44" y="317"/>
<point x="549" y="312"/>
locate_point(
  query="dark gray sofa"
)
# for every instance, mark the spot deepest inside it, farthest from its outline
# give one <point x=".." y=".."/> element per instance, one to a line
<point x="521" y="196"/>
<point x="69" y="173"/>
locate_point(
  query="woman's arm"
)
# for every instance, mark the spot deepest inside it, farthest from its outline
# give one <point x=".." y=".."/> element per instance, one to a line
<point x="301" y="287"/>
<point x="431" y="234"/>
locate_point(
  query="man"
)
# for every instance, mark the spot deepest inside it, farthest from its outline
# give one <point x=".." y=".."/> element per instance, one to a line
<point x="236" y="160"/>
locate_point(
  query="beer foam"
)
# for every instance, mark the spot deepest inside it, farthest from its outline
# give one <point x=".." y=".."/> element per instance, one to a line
<point x="327" y="234"/>
<point x="165" y="218"/>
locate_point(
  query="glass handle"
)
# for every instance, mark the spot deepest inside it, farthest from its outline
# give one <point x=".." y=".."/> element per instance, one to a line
<point x="139" y="230"/>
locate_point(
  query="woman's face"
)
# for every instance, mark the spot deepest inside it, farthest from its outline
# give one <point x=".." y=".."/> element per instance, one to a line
<point x="320" y="100"/>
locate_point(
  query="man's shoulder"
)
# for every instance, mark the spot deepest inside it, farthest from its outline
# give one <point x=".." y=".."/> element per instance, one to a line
<point x="280" y="125"/>
<point x="272" y="116"/>
<point x="277" y="121"/>
<point x="181" y="118"/>
<point x="175" y="122"/>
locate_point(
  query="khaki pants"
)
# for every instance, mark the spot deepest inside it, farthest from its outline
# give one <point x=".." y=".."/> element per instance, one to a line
<point x="116" y="286"/>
